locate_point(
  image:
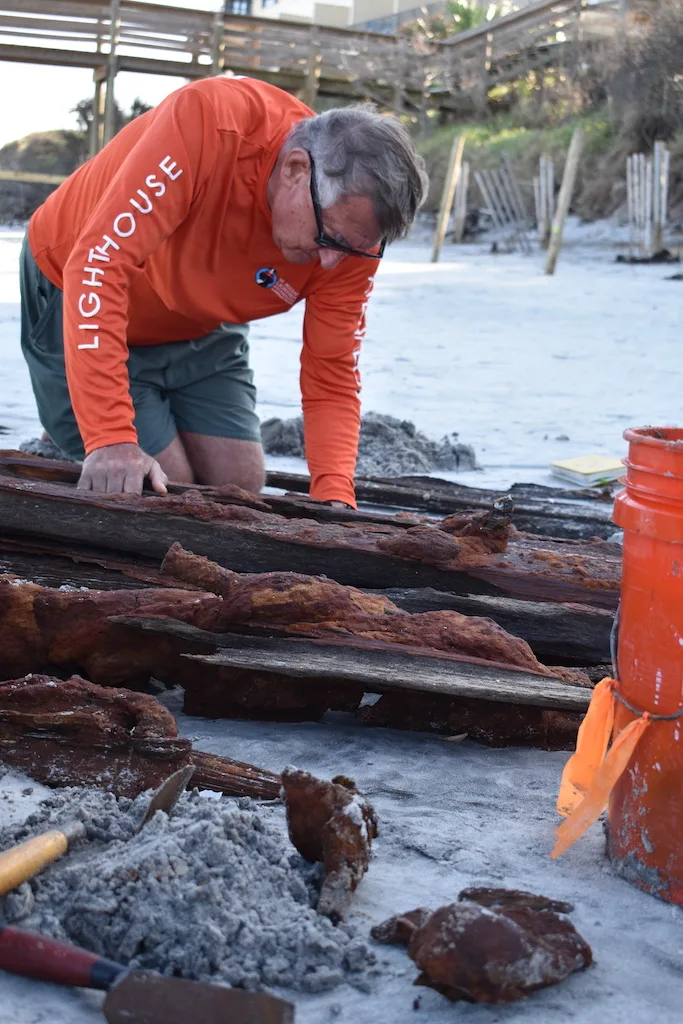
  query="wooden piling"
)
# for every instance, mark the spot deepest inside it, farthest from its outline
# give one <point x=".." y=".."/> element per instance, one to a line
<point x="564" y="199"/>
<point x="448" y="194"/>
<point x="544" y="192"/>
<point x="112" y="68"/>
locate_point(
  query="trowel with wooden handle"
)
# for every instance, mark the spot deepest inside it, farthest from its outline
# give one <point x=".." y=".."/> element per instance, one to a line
<point x="24" y="861"/>
<point x="137" y="997"/>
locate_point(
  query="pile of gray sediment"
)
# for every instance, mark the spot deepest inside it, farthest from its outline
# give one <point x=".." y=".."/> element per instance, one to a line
<point x="46" y="449"/>
<point x="213" y="892"/>
<point x="388" y="446"/>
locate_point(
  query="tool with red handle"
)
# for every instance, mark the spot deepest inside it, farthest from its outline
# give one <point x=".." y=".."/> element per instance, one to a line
<point x="136" y="997"/>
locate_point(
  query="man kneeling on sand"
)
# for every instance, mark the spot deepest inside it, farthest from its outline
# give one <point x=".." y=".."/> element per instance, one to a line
<point x="229" y="202"/>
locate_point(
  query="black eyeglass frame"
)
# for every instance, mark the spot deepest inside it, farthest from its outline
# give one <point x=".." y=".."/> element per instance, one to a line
<point x="326" y="241"/>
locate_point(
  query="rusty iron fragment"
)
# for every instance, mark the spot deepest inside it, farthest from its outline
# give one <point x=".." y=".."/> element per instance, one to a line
<point x="81" y="631"/>
<point x="42" y="628"/>
<point x="314" y="607"/>
<point x="330" y="823"/>
<point x="497" y="948"/>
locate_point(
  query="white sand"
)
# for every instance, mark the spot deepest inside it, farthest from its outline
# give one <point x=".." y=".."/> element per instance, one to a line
<point x="491" y="348"/>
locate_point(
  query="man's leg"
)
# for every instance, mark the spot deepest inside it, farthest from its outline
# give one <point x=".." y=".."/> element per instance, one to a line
<point x="225" y="460"/>
<point x="175" y="463"/>
<point x="213" y="400"/>
<point x="42" y="342"/>
<point x="42" y="345"/>
<point x="208" y="383"/>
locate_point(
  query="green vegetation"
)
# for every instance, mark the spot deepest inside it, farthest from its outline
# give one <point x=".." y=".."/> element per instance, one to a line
<point x="488" y="141"/>
<point x="459" y="16"/>
<point x="56" y="152"/>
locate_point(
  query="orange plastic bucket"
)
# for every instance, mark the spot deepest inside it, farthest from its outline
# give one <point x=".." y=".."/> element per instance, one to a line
<point x="645" y="830"/>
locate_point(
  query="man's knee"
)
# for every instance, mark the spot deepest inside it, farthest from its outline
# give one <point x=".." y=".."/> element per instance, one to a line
<point x="224" y="461"/>
<point x="250" y="478"/>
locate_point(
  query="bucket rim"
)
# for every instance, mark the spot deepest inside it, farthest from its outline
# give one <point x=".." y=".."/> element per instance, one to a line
<point x="648" y="436"/>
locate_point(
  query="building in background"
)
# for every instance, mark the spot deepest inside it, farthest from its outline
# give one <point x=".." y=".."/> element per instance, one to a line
<point x="385" y="16"/>
<point x="333" y="13"/>
<point x="373" y="15"/>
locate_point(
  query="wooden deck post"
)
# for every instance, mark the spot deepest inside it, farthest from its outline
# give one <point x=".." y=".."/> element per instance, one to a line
<point x="313" y="69"/>
<point x="97" y="123"/>
<point x="112" y="68"/>
<point x="218" y="44"/>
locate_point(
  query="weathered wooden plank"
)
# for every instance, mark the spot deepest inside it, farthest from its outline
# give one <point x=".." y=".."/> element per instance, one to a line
<point x="50" y="510"/>
<point x="383" y="671"/>
<point x="544" y="511"/>
<point x="53" y="565"/>
<point x="298" y="506"/>
<point x="70" y="732"/>
<point x="530" y="569"/>
<point x="379" y="667"/>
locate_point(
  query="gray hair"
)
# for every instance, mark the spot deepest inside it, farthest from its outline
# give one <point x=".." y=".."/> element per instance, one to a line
<point x="359" y="152"/>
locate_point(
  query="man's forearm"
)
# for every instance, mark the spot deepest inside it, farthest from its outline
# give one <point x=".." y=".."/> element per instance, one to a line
<point x="331" y="433"/>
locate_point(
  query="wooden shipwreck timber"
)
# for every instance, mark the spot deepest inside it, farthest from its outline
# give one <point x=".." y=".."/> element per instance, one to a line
<point x="279" y="607"/>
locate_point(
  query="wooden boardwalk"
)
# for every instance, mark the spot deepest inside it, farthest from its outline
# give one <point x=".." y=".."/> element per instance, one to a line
<point x="309" y="60"/>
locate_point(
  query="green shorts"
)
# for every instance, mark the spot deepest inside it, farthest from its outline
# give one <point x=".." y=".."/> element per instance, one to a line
<point x="202" y="386"/>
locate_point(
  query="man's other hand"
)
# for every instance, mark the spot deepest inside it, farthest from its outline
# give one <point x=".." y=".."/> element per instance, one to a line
<point x="121" y="469"/>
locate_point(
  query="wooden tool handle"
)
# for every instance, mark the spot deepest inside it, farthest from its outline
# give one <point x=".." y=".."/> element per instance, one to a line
<point x="36" y="956"/>
<point x="27" y="859"/>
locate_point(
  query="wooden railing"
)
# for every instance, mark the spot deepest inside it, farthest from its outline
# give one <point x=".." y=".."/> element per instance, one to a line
<point x="299" y="57"/>
<point x="177" y="41"/>
<point x="503" y="49"/>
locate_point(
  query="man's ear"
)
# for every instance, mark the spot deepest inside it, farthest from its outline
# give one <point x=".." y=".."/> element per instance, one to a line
<point x="295" y="167"/>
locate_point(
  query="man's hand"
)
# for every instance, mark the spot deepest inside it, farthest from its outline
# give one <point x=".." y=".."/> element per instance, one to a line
<point x="121" y="468"/>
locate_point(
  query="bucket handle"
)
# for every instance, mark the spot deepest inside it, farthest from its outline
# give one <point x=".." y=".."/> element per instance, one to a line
<point x="614" y="643"/>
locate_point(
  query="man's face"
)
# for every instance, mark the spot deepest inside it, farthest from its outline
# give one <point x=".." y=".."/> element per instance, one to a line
<point x="350" y="221"/>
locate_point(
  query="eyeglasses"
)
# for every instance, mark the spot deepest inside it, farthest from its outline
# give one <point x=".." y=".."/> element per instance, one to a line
<point x="326" y="241"/>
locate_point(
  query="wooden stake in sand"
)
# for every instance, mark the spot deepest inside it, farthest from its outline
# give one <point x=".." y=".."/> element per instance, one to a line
<point x="564" y="199"/>
<point x="544" y="196"/>
<point x="448" y="194"/>
<point x="461" y="190"/>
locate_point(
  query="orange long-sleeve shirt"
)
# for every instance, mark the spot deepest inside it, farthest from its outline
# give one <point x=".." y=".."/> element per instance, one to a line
<point x="161" y="236"/>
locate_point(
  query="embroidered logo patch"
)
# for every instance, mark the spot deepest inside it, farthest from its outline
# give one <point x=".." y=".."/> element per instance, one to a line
<point x="266" y="277"/>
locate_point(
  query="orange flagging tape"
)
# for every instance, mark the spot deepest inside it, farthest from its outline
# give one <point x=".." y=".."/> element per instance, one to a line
<point x="586" y="813"/>
<point x="591" y="746"/>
